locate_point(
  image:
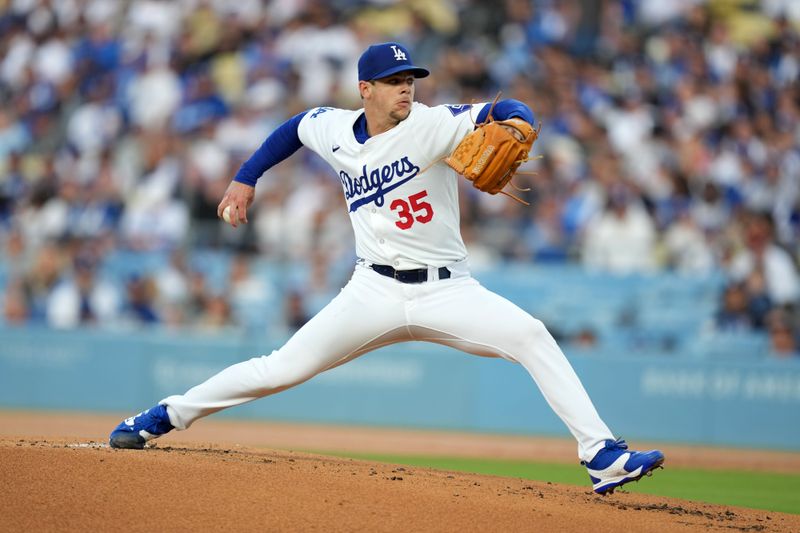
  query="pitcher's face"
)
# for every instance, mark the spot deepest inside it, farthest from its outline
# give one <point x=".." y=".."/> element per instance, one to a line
<point x="390" y="96"/>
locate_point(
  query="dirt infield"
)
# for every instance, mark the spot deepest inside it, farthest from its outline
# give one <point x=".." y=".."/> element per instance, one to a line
<point x="65" y="478"/>
<point x="359" y="439"/>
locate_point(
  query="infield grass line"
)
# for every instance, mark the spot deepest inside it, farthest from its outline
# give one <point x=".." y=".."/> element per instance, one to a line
<point x="756" y="490"/>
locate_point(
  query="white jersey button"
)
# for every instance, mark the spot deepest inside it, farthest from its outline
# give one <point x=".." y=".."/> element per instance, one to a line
<point x="382" y="241"/>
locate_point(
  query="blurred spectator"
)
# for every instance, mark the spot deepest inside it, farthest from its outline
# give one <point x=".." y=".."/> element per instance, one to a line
<point x="295" y="314"/>
<point x="741" y="309"/>
<point x="241" y="133"/>
<point x="759" y="301"/>
<point x="545" y="237"/>
<point x="244" y="287"/>
<point x="202" y="31"/>
<point x="202" y="104"/>
<point x="140" y="307"/>
<point x="622" y="239"/>
<point x="153" y="97"/>
<point x="14" y="137"/>
<point x="15" y="305"/>
<point x="154" y="218"/>
<point x="630" y="124"/>
<point x="216" y="314"/>
<point x="686" y="246"/>
<point x="291" y="230"/>
<point x="709" y="209"/>
<point x="198" y="297"/>
<point x="98" y="53"/>
<point x="12" y="189"/>
<point x="82" y="299"/>
<point x="172" y="281"/>
<point x="783" y="336"/>
<point x="762" y="254"/>
<point x="733" y="314"/>
<point x="16" y="255"/>
<point x="41" y="278"/>
<point x="95" y="123"/>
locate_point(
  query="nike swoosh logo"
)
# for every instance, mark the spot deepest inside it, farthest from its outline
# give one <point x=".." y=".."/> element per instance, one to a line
<point x="335" y="147"/>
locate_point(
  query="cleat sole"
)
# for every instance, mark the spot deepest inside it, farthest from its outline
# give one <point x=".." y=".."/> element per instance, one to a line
<point x="126" y="440"/>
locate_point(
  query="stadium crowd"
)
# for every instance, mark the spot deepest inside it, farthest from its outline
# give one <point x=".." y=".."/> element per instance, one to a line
<point x="670" y="141"/>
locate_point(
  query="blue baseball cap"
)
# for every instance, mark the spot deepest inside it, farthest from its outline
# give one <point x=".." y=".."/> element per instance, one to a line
<point x="384" y="59"/>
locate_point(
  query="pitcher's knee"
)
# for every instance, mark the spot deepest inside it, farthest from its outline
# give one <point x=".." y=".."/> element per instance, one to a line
<point x="534" y="333"/>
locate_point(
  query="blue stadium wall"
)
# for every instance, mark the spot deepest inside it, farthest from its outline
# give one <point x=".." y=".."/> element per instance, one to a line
<point x="747" y="403"/>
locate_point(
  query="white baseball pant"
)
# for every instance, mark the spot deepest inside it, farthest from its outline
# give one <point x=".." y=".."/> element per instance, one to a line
<point x="379" y="311"/>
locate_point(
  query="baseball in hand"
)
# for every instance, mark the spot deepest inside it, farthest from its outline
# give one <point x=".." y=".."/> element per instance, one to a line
<point x="226" y="214"/>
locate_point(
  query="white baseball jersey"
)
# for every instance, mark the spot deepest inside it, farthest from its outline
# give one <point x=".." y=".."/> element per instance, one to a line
<point x="402" y="215"/>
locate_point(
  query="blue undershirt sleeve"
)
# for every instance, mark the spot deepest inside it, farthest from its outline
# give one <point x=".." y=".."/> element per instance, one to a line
<point x="505" y="109"/>
<point x="281" y="143"/>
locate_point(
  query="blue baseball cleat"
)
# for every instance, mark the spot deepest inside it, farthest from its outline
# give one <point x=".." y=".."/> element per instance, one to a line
<point x="614" y="465"/>
<point x="135" y="431"/>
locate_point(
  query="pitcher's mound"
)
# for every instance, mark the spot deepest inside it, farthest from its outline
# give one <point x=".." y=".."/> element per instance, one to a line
<point x="65" y="485"/>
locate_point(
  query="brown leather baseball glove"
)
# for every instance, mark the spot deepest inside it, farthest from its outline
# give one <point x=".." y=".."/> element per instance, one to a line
<point x="490" y="155"/>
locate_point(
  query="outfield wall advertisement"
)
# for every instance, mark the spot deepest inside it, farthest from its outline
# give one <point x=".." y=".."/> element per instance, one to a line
<point x="750" y="403"/>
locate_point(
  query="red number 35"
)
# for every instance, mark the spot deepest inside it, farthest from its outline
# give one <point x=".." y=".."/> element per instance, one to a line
<point x="413" y="205"/>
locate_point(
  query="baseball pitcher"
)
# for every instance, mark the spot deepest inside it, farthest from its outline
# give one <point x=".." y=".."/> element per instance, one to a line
<point x="399" y="162"/>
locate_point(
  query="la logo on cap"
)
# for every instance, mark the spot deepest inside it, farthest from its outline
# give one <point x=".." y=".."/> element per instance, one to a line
<point x="398" y="54"/>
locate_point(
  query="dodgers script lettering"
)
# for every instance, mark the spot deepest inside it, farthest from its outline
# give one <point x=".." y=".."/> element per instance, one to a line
<point x="371" y="185"/>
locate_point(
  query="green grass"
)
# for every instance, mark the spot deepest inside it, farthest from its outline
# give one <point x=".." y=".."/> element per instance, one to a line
<point x="757" y="490"/>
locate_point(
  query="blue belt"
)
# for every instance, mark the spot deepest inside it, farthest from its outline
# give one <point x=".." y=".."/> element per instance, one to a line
<point x="417" y="275"/>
